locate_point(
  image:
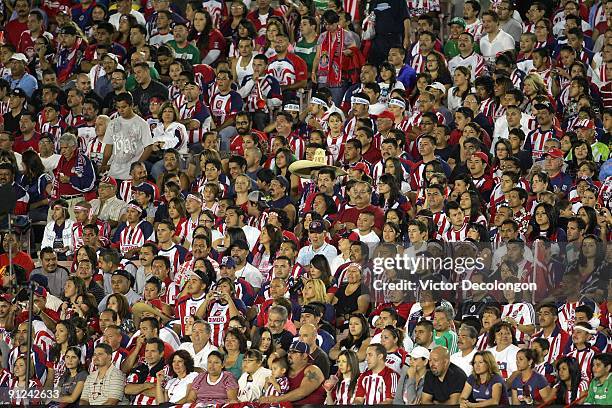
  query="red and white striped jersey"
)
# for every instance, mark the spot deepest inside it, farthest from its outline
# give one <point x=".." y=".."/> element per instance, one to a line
<point x="419" y="62"/>
<point x="55" y="130"/>
<point x="584" y="358"/>
<point x="215" y="9"/>
<point x="218" y="316"/>
<point x="132" y="237"/>
<point x="557" y="340"/>
<point x="352" y="7"/>
<point x="453" y="235"/>
<point x="546" y="76"/>
<point x="482" y="342"/>
<point x="377" y="388"/>
<point x="187" y="306"/>
<point x="95" y="151"/>
<point x="170" y="293"/>
<point x="34" y="385"/>
<point x="605" y="193"/>
<point x="176" y="254"/>
<point x="340" y="393"/>
<point x="283" y="71"/>
<point x="523" y="313"/>
<point x="141" y="399"/>
<point x="225" y="107"/>
<point x="74" y="120"/>
<point x="537" y="138"/>
<point x="487" y="107"/>
<point x="336" y="146"/>
<point x="4" y="107"/>
<point x="270" y="391"/>
<point x="197" y="111"/>
<point x="43" y="336"/>
<point x="5" y="376"/>
<point x="442" y="222"/>
<point x="476" y="29"/>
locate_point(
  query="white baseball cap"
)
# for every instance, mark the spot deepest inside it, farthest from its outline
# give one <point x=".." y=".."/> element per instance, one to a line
<point x="438" y="86"/>
<point x="19" y="57"/>
<point x="420" y="352"/>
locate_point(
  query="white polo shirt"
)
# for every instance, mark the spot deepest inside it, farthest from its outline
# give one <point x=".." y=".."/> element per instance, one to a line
<point x="502" y="42"/>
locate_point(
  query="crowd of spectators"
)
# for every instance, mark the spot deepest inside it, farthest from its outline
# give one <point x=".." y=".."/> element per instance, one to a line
<point x="204" y="191"/>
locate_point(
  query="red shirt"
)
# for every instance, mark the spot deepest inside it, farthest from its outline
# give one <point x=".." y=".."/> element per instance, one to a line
<point x="20" y="258"/>
<point x="351" y="215"/>
<point x="20" y="145"/>
<point x="13" y="31"/>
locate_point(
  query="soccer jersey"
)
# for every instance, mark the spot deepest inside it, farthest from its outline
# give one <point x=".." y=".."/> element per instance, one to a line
<point x="377" y="387"/>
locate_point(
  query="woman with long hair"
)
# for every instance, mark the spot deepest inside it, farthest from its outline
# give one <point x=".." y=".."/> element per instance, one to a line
<point x="238" y="11"/>
<point x="485" y="387"/>
<point x="398" y="217"/>
<point x="244" y="29"/>
<point x="533" y="86"/>
<point x="65" y="337"/>
<point x="263" y="342"/>
<point x="315" y="291"/>
<point x="18" y="383"/>
<point x="581" y="152"/>
<point x="341" y="391"/>
<point x="436" y="67"/>
<point x="389" y="194"/>
<point x="393" y="167"/>
<point x="270" y="241"/>
<point x="209" y="41"/>
<point x="545" y="225"/>
<point x="325" y="206"/>
<point x="119" y="303"/>
<point x="169" y="133"/>
<point x="282" y="160"/>
<point x="462" y="85"/>
<point x="122" y="36"/>
<point x="358" y="340"/>
<point x="470" y="204"/>
<point x="529" y="387"/>
<point x="392" y="339"/>
<point x="336" y="137"/>
<point x="73" y="288"/>
<point x="503" y="150"/>
<point x="37" y="183"/>
<point x="571" y="388"/>
<point x="86" y="307"/>
<point x="388" y="81"/>
<point x="264" y="43"/>
<point x="592" y="266"/>
<point x="422" y="81"/>
<point x="319" y="269"/>
<point x="182" y="375"/>
<point x="58" y="232"/>
<point x="72" y="381"/>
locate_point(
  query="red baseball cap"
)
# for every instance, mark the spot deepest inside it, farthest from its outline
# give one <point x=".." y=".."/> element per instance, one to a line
<point x="555" y="153"/>
<point x="585" y="123"/>
<point x="109" y="180"/>
<point x="482" y="156"/>
<point x="361" y="166"/>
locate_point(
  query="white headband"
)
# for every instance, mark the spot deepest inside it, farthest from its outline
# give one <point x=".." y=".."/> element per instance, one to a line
<point x="292" y="107"/>
<point x="135" y="207"/>
<point x="590" y="331"/>
<point x="357" y="99"/>
<point x="318" y="101"/>
<point x="397" y="102"/>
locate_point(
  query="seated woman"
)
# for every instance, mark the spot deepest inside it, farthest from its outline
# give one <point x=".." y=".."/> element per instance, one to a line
<point x="529" y="387"/>
<point x="503" y="347"/>
<point x="234" y="345"/>
<point x="58" y="232"/>
<point x="71" y="382"/>
<point x="215" y="386"/>
<point x="183" y="375"/>
<point x="358" y="340"/>
<point x="350" y="298"/>
<point x="485" y="387"/>
<point x="341" y="390"/>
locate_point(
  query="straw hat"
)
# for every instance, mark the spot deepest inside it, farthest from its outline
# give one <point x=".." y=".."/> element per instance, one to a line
<point x="303" y="168"/>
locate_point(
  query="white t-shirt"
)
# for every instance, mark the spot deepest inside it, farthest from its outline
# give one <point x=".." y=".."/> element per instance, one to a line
<point x="464" y="363"/>
<point x="200" y="359"/>
<point x="251" y="274"/>
<point x="506" y="359"/>
<point x="129" y="138"/>
<point x="177" y="389"/>
<point x="251" y="390"/>
<point x="502" y="42"/>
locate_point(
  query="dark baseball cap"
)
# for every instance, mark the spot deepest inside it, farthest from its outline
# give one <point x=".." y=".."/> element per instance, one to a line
<point x="544" y="105"/>
<point x="19" y="92"/>
<point x="310" y="309"/>
<point x="125" y="274"/>
<point x="316" y="226"/>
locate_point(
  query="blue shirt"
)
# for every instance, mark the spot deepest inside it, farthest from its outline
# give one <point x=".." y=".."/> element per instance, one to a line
<point x="483" y="392"/>
<point x="27" y="83"/>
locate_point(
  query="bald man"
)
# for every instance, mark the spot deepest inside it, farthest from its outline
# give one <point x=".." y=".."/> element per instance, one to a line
<point x="308" y="334"/>
<point x="444" y="382"/>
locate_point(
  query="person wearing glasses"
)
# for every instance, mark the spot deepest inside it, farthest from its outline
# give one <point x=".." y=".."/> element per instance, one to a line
<point x="105" y="385"/>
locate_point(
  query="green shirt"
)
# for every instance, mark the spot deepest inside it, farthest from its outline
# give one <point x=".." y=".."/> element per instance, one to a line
<point x="306" y="51"/>
<point x="451" y="49"/>
<point x="447" y="339"/>
<point x="130" y="82"/>
<point x="601" y="152"/>
<point x="600" y="393"/>
<point x="189" y="53"/>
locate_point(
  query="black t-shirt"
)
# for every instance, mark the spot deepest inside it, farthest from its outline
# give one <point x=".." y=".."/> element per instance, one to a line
<point x="142" y="96"/>
<point x="11" y="123"/>
<point x="453" y="383"/>
<point x="390" y="16"/>
<point x="321" y="360"/>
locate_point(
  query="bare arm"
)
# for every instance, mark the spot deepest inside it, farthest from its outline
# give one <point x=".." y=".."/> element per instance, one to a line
<point x="313" y="378"/>
<point x="74" y="397"/>
<point x="108" y="152"/>
<point x="145" y="154"/>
